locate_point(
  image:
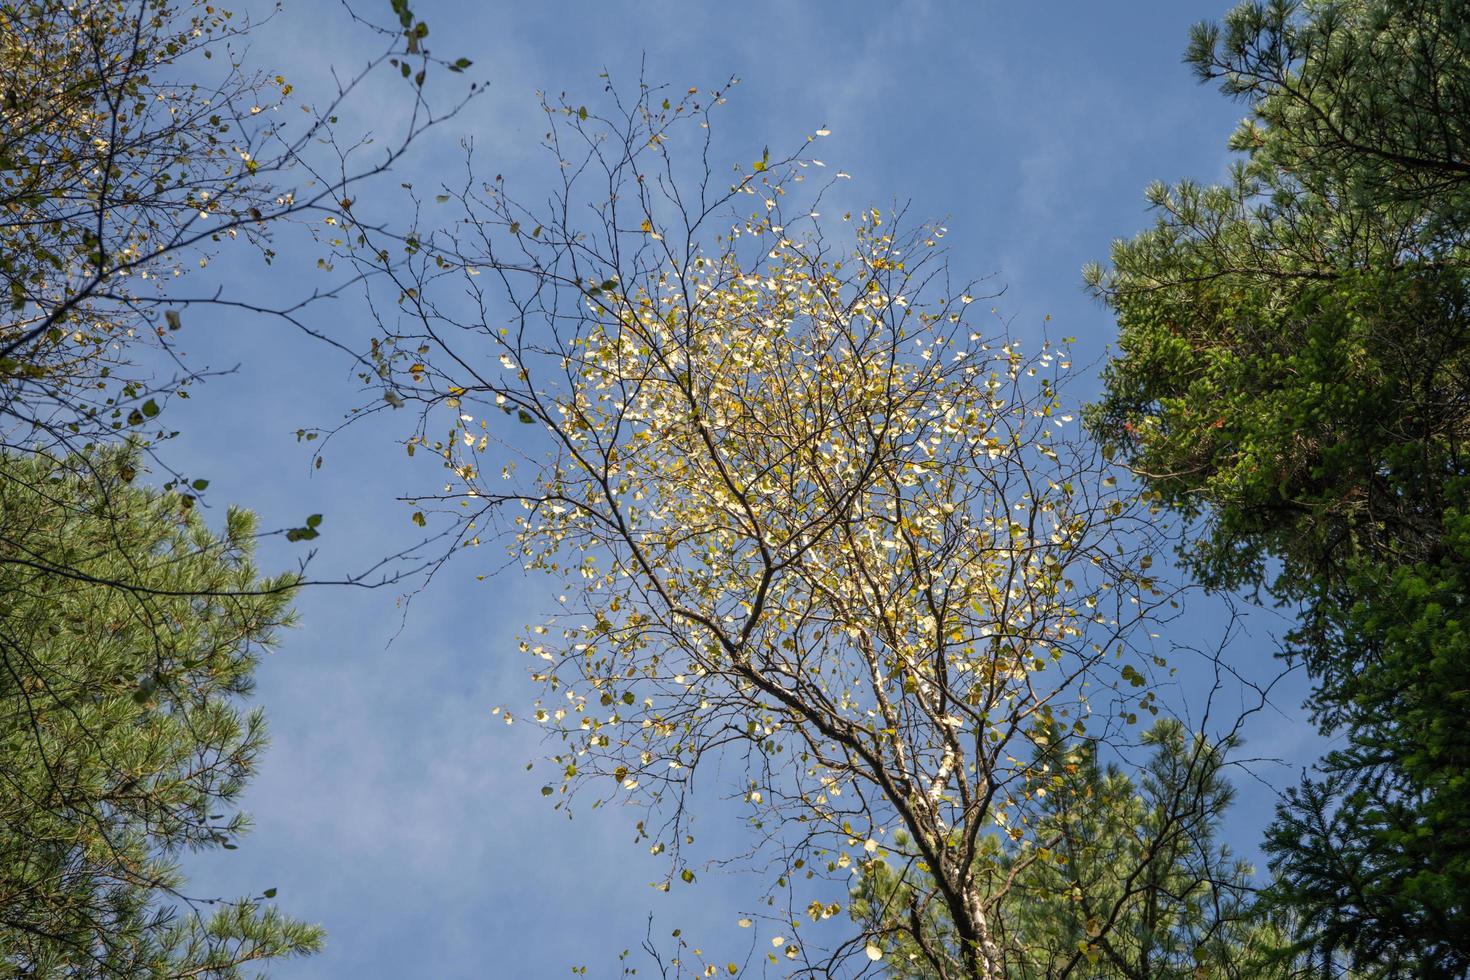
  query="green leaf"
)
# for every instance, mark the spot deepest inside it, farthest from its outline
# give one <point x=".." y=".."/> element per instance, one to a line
<point x="150" y="408"/>
<point x="200" y="485"/>
<point x="314" y="520"/>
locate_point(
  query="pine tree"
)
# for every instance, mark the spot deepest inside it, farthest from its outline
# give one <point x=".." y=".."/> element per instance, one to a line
<point x="1125" y="878"/>
<point x="1294" y="370"/>
<point x="129" y="633"/>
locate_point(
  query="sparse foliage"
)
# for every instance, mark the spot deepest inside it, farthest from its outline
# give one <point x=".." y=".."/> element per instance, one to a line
<point x="814" y="523"/>
<point x="138" y="143"/>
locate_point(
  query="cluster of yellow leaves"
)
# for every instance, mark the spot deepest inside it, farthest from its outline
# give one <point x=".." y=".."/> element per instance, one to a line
<point x="798" y="508"/>
<point x="809" y="524"/>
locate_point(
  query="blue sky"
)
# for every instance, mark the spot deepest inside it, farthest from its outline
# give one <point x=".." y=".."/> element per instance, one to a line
<point x="393" y="807"/>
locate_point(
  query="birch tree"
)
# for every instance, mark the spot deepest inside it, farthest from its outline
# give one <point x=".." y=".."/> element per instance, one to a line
<point x="820" y="532"/>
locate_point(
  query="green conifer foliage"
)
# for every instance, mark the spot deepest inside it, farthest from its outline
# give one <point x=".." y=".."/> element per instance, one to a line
<point x="1294" y="369"/>
<point x="129" y="633"/>
<point x="1128" y="878"/>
